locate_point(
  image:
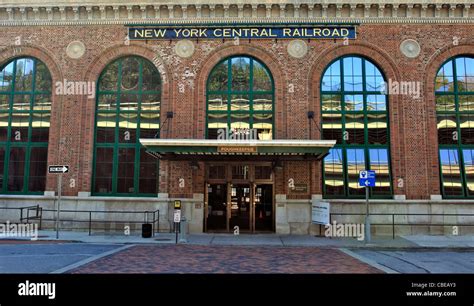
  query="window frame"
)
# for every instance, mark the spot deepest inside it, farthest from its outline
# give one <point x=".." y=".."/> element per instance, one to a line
<point x="458" y="146"/>
<point x="366" y="146"/>
<point x="28" y="145"/>
<point x="116" y="145"/>
<point x="229" y="92"/>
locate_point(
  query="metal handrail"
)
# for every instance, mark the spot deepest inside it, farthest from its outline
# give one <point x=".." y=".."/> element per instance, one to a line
<point x="393" y="223"/>
<point x="155" y="216"/>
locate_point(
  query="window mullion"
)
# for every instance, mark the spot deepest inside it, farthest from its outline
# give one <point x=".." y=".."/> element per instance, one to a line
<point x="117" y="130"/>
<point x="251" y="96"/>
<point x="27" y="168"/>
<point x="229" y="93"/>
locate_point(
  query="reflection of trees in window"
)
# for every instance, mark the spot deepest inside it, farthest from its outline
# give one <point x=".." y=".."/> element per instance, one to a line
<point x="128" y="108"/>
<point x="454" y="91"/>
<point x="25" y="107"/>
<point x="354" y="113"/>
<point x="240" y="97"/>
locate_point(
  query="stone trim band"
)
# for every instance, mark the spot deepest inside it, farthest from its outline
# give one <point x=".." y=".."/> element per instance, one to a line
<point x="402" y="12"/>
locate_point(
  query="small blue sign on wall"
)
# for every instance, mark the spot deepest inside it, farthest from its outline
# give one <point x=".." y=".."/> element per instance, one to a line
<point x="367" y="178"/>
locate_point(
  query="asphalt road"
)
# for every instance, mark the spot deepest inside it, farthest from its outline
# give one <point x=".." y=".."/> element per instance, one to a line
<point x="422" y="261"/>
<point x="46" y="258"/>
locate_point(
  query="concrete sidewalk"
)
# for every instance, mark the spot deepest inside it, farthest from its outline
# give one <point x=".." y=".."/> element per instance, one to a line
<point x="417" y="241"/>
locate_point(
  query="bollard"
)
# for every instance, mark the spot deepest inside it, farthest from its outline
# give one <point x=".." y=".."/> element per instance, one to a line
<point x="182" y="231"/>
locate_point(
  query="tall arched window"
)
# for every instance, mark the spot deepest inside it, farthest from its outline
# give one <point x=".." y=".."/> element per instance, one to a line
<point x="25" y="107"/>
<point x="240" y="98"/>
<point x="454" y="90"/>
<point x="354" y="112"/>
<point x="128" y="108"/>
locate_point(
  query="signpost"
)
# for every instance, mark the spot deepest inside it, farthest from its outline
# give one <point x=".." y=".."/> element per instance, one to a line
<point x="177" y="217"/>
<point x="367" y="180"/>
<point x="58" y="169"/>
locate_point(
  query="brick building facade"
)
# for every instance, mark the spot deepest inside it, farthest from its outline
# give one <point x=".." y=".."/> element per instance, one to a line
<point x="77" y="42"/>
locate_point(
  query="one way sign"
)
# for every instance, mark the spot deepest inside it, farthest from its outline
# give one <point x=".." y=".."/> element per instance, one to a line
<point x="58" y="169"/>
<point x="367" y="178"/>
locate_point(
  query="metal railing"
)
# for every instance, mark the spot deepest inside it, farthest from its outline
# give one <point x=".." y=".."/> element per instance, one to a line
<point x="31" y="213"/>
<point x="90" y="218"/>
<point x="394" y="224"/>
<point x="36" y="215"/>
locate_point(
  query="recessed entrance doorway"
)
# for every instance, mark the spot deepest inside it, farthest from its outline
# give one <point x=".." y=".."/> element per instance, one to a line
<point x="239" y="197"/>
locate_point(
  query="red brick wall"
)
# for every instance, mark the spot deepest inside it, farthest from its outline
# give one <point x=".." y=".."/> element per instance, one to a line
<point x="413" y="124"/>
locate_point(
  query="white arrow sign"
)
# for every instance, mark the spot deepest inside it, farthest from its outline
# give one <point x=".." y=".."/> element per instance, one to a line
<point x="58" y="169"/>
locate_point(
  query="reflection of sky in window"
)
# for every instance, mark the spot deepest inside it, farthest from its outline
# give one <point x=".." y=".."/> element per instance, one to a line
<point x="444" y="87"/>
<point x="6" y="75"/>
<point x="445" y="77"/>
<point x="465" y="70"/>
<point x="354" y="102"/>
<point x="355" y="156"/>
<point x="378" y="156"/>
<point x="373" y="77"/>
<point x="353" y="66"/>
<point x="376" y="102"/>
<point x="446" y="70"/>
<point x="465" y="66"/>
<point x="332" y="78"/>
<point x="241" y="61"/>
<point x="449" y="157"/>
<point x="353" y="74"/>
<point x="468" y="157"/>
<point x="334" y="156"/>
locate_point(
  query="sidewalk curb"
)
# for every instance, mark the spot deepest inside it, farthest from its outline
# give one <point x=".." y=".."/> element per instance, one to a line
<point x="90" y="259"/>
<point x="369" y="262"/>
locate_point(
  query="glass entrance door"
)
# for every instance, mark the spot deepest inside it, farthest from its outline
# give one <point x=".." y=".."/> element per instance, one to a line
<point x="240" y="206"/>
<point x="217" y="207"/>
<point x="264" y="207"/>
<point x="239" y="195"/>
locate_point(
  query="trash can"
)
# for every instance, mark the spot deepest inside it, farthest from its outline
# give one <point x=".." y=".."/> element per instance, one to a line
<point x="146" y="230"/>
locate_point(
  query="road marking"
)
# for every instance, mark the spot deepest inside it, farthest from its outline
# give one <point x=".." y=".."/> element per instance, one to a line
<point x="90" y="259"/>
<point x="369" y="262"/>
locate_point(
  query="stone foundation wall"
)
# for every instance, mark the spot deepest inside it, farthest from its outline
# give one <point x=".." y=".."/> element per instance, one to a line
<point x="291" y="216"/>
<point x="113" y="222"/>
<point x="294" y="216"/>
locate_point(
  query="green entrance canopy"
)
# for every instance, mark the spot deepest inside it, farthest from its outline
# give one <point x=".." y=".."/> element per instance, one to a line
<point x="215" y="149"/>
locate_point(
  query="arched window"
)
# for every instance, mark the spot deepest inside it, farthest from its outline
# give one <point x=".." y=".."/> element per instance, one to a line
<point x="454" y="90"/>
<point x="128" y="108"/>
<point x="25" y="107"/>
<point x="240" y="98"/>
<point x="354" y="112"/>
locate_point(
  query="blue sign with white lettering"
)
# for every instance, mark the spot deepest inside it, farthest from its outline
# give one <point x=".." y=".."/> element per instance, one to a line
<point x="244" y="32"/>
<point x="367" y="178"/>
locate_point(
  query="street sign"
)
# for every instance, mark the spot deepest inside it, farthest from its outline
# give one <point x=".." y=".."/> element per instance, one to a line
<point x="177" y="216"/>
<point x="177" y="204"/>
<point x="58" y="169"/>
<point x="367" y="178"/>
